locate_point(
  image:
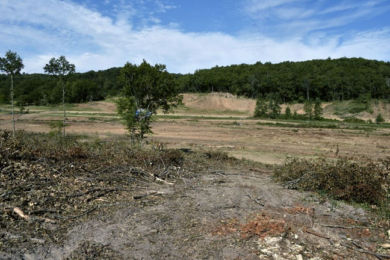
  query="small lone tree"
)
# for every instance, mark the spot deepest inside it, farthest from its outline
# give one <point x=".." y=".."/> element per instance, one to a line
<point x="318" y="110"/>
<point x="261" y="108"/>
<point x="61" y="68"/>
<point x="145" y="89"/>
<point x="287" y="112"/>
<point x="308" y="108"/>
<point x="275" y="109"/>
<point x="379" y="119"/>
<point x="11" y="64"/>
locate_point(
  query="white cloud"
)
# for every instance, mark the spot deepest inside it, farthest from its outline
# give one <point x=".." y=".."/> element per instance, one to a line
<point x="93" y="41"/>
<point x="254" y="6"/>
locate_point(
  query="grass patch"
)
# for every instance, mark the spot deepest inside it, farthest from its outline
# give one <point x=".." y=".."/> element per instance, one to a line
<point x="300" y="125"/>
<point x="342" y="109"/>
<point x="326" y="125"/>
<point x="70" y="114"/>
<point x="199" y="117"/>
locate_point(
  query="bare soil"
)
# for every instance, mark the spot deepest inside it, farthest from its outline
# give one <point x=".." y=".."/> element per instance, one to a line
<point x="234" y="134"/>
<point x="222" y="215"/>
<point x="226" y="212"/>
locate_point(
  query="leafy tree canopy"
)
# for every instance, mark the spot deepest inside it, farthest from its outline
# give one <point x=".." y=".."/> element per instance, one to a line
<point x="11" y="64"/>
<point x="145" y="89"/>
<point x="59" y="67"/>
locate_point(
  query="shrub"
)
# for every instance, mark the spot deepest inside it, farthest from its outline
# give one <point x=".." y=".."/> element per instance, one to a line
<point x="362" y="181"/>
<point x="288" y="112"/>
<point x="379" y="119"/>
<point x="261" y="108"/>
<point x="354" y="120"/>
<point x="318" y="110"/>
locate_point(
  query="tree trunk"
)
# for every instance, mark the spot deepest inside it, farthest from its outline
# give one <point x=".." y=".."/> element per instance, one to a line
<point x="63" y="107"/>
<point x="12" y="102"/>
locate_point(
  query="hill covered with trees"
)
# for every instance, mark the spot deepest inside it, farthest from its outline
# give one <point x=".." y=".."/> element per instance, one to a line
<point x="327" y="80"/>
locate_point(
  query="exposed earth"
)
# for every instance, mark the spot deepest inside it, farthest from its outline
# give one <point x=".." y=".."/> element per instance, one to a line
<point x="221" y="215"/>
<point x="220" y="121"/>
<point x="224" y="211"/>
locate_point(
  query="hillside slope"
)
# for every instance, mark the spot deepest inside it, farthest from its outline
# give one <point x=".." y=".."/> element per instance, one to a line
<point x="230" y="104"/>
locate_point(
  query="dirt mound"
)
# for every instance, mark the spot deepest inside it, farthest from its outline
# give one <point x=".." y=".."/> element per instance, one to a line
<point x="219" y="101"/>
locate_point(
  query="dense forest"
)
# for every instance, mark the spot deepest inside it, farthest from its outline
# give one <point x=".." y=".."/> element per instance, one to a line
<point x="328" y="80"/>
<point x="43" y="89"/>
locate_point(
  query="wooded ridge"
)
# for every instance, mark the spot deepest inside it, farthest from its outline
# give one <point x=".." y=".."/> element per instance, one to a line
<point x="328" y="80"/>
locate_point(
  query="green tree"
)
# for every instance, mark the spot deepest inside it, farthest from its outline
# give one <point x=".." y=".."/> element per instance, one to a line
<point x="379" y="119"/>
<point x="308" y="108"/>
<point x="295" y="115"/>
<point x="11" y="64"/>
<point x="288" y="112"/>
<point x="275" y="109"/>
<point x="318" y="110"/>
<point x="261" y="108"/>
<point x="61" y="68"/>
<point x="145" y="89"/>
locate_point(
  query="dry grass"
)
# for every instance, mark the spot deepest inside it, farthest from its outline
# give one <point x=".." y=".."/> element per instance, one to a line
<point x="360" y="180"/>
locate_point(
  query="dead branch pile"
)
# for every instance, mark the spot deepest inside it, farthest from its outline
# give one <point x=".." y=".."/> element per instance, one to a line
<point x="361" y="180"/>
<point x="47" y="184"/>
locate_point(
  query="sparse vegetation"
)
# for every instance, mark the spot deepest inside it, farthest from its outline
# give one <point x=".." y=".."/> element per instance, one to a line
<point x="44" y="183"/>
<point x="361" y="180"/>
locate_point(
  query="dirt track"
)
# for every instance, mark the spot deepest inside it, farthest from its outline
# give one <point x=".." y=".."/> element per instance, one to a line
<point x="222" y="215"/>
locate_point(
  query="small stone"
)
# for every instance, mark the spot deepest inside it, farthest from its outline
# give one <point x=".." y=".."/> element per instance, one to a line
<point x="267" y="252"/>
<point x="385" y="246"/>
<point x="299" y="257"/>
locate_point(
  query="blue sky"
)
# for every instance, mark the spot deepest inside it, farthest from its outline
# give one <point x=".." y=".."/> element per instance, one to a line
<point x="192" y="34"/>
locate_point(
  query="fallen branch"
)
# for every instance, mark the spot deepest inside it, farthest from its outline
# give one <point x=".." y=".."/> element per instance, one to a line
<point x="148" y="194"/>
<point x="77" y="216"/>
<point x="315" y="234"/>
<point x="341" y="227"/>
<point x="154" y="177"/>
<point x="21" y="214"/>
<point x="26" y="217"/>
<point x="94" y="190"/>
<point x="379" y="256"/>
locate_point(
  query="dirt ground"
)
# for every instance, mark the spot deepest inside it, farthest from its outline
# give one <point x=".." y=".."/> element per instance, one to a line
<point x="222" y="215"/>
<point x="227" y="213"/>
<point x="232" y="133"/>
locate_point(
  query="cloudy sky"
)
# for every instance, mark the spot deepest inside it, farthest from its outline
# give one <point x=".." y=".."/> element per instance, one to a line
<point x="192" y="34"/>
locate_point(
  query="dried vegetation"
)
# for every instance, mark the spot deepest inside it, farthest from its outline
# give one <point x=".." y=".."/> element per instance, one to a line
<point x="48" y="184"/>
<point x="352" y="179"/>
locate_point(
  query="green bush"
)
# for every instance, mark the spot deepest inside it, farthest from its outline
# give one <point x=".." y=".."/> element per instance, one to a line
<point x="354" y="120"/>
<point x="379" y="119"/>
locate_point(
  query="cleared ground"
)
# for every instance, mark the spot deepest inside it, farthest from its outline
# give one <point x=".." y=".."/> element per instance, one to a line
<point x="204" y="206"/>
<point x="222" y="121"/>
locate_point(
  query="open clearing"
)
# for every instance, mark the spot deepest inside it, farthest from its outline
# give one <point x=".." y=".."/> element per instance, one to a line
<point x="220" y="211"/>
<point x="220" y="121"/>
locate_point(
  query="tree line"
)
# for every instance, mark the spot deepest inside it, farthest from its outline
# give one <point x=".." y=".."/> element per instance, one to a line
<point x="43" y="89"/>
<point x="327" y="80"/>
